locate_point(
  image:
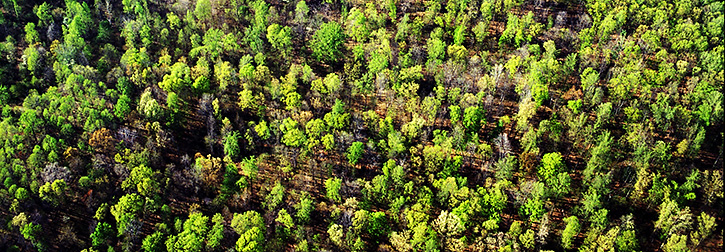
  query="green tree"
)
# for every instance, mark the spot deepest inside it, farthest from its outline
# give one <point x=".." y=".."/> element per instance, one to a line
<point x="44" y="14"/>
<point x="705" y="225"/>
<point x="100" y="235"/>
<point x="332" y="186"/>
<point x="179" y="79"/>
<point x="355" y="152"/>
<point x="571" y="231"/>
<point x="473" y="118"/>
<point x="144" y="180"/>
<point x="225" y="74"/>
<point x="527" y="239"/>
<point x="122" y="107"/>
<point x="31" y="35"/>
<point x="192" y="236"/>
<point x="216" y="233"/>
<point x="153" y="242"/>
<point x="126" y="210"/>
<point x="280" y="38"/>
<point x="328" y="42"/>
<point x="357" y="25"/>
<point x="148" y="106"/>
<point x="304" y="208"/>
<point x="275" y="197"/>
<point x="53" y="192"/>
<point x="286" y="222"/>
<point x="203" y="10"/>
<point x="250" y="225"/>
<point x="337" y="118"/>
<point x="551" y="164"/>
<point x="292" y="135"/>
<point x="231" y="144"/>
<point x="436" y="50"/>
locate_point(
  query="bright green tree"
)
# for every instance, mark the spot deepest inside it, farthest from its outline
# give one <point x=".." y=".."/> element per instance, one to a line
<point x="355" y="152"/>
<point x="332" y="186"/>
<point x="328" y="42"/>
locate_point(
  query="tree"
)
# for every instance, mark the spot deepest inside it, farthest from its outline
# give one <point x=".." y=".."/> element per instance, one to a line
<point x="250" y="226"/>
<point x="122" y="107"/>
<point x="31" y="35"/>
<point x="231" y="144"/>
<point x="292" y="135"/>
<point x="473" y="118"/>
<point x="705" y="225"/>
<point x="53" y="192"/>
<point x="304" y="208"/>
<point x="275" y="197"/>
<point x="153" y="242"/>
<point x="676" y="243"/>
<point x="286" y="222"/>
<point x="337" y="118"/>
<point x="225" y="74"/>
<point x="100" y="235"/>
<point x="378" y="225"/>
<point x="328" y="42"/>
<point x="193" y="236"/>
<point x="332" y="186"/>
<point x="144" y="180"/>
<point x="280" y="38"/>
<point x="301" y="12"/>
<point x="355" y="152"/>
<point x="335" y="233"/>
<point x="448" y="224"/>
<point x="505" y="167"/>
<point x="527" y="239"/>
<point x="179" y="79"/>
<point x="571" y="231"/>
<point x="127" y="209"/>
<point x="436" y="51"/>
<point x="551" y="164"/>
<point x="148" y="106"/>
<point x="43" y="13"/>
<point x="203" y="10"/>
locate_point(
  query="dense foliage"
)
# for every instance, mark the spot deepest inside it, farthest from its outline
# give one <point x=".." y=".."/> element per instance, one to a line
<point x="394" y="125"/>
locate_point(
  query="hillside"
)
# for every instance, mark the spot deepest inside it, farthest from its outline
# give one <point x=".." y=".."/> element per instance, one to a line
<point x="336" y="125"/>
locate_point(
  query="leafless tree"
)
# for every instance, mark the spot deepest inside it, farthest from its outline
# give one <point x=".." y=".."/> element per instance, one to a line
<point x="503" y="145"/>
<point x="53" y="172"/>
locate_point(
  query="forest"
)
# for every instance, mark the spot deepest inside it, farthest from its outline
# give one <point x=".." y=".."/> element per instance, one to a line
<point x="361" y="125"/>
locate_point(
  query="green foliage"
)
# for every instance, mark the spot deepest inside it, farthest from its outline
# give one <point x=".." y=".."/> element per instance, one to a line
<point x="250" y="226"/>
<point x="304" y="208"/>
<point x="101" y="234"/>
<point x="144" y="180"/>
<point x="153" y="242"/>
<point x="327" y="42"/>
<point x="216" y="106"/>
<point x="31" y="35"/>
<point x="473" y="118"/>
<point x="231" y="144"/>
<point x="337" y="118"/>
<point x="519" y="30"/>
<point x="127" y="210"/>
<point x="527" y="239"/>
<point x="332" y="186"/>
<point x="354" y="153"/>
<point x="122" y="107"/>
<point x="280" y="38"/>
<point x="436" y="49"/>
<point x="551" y="164"/>
<point x="275" y="197"/>
<point x="292" y="135"/>
<point x="51" y="192"/>
<point x="571" y="230"/>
